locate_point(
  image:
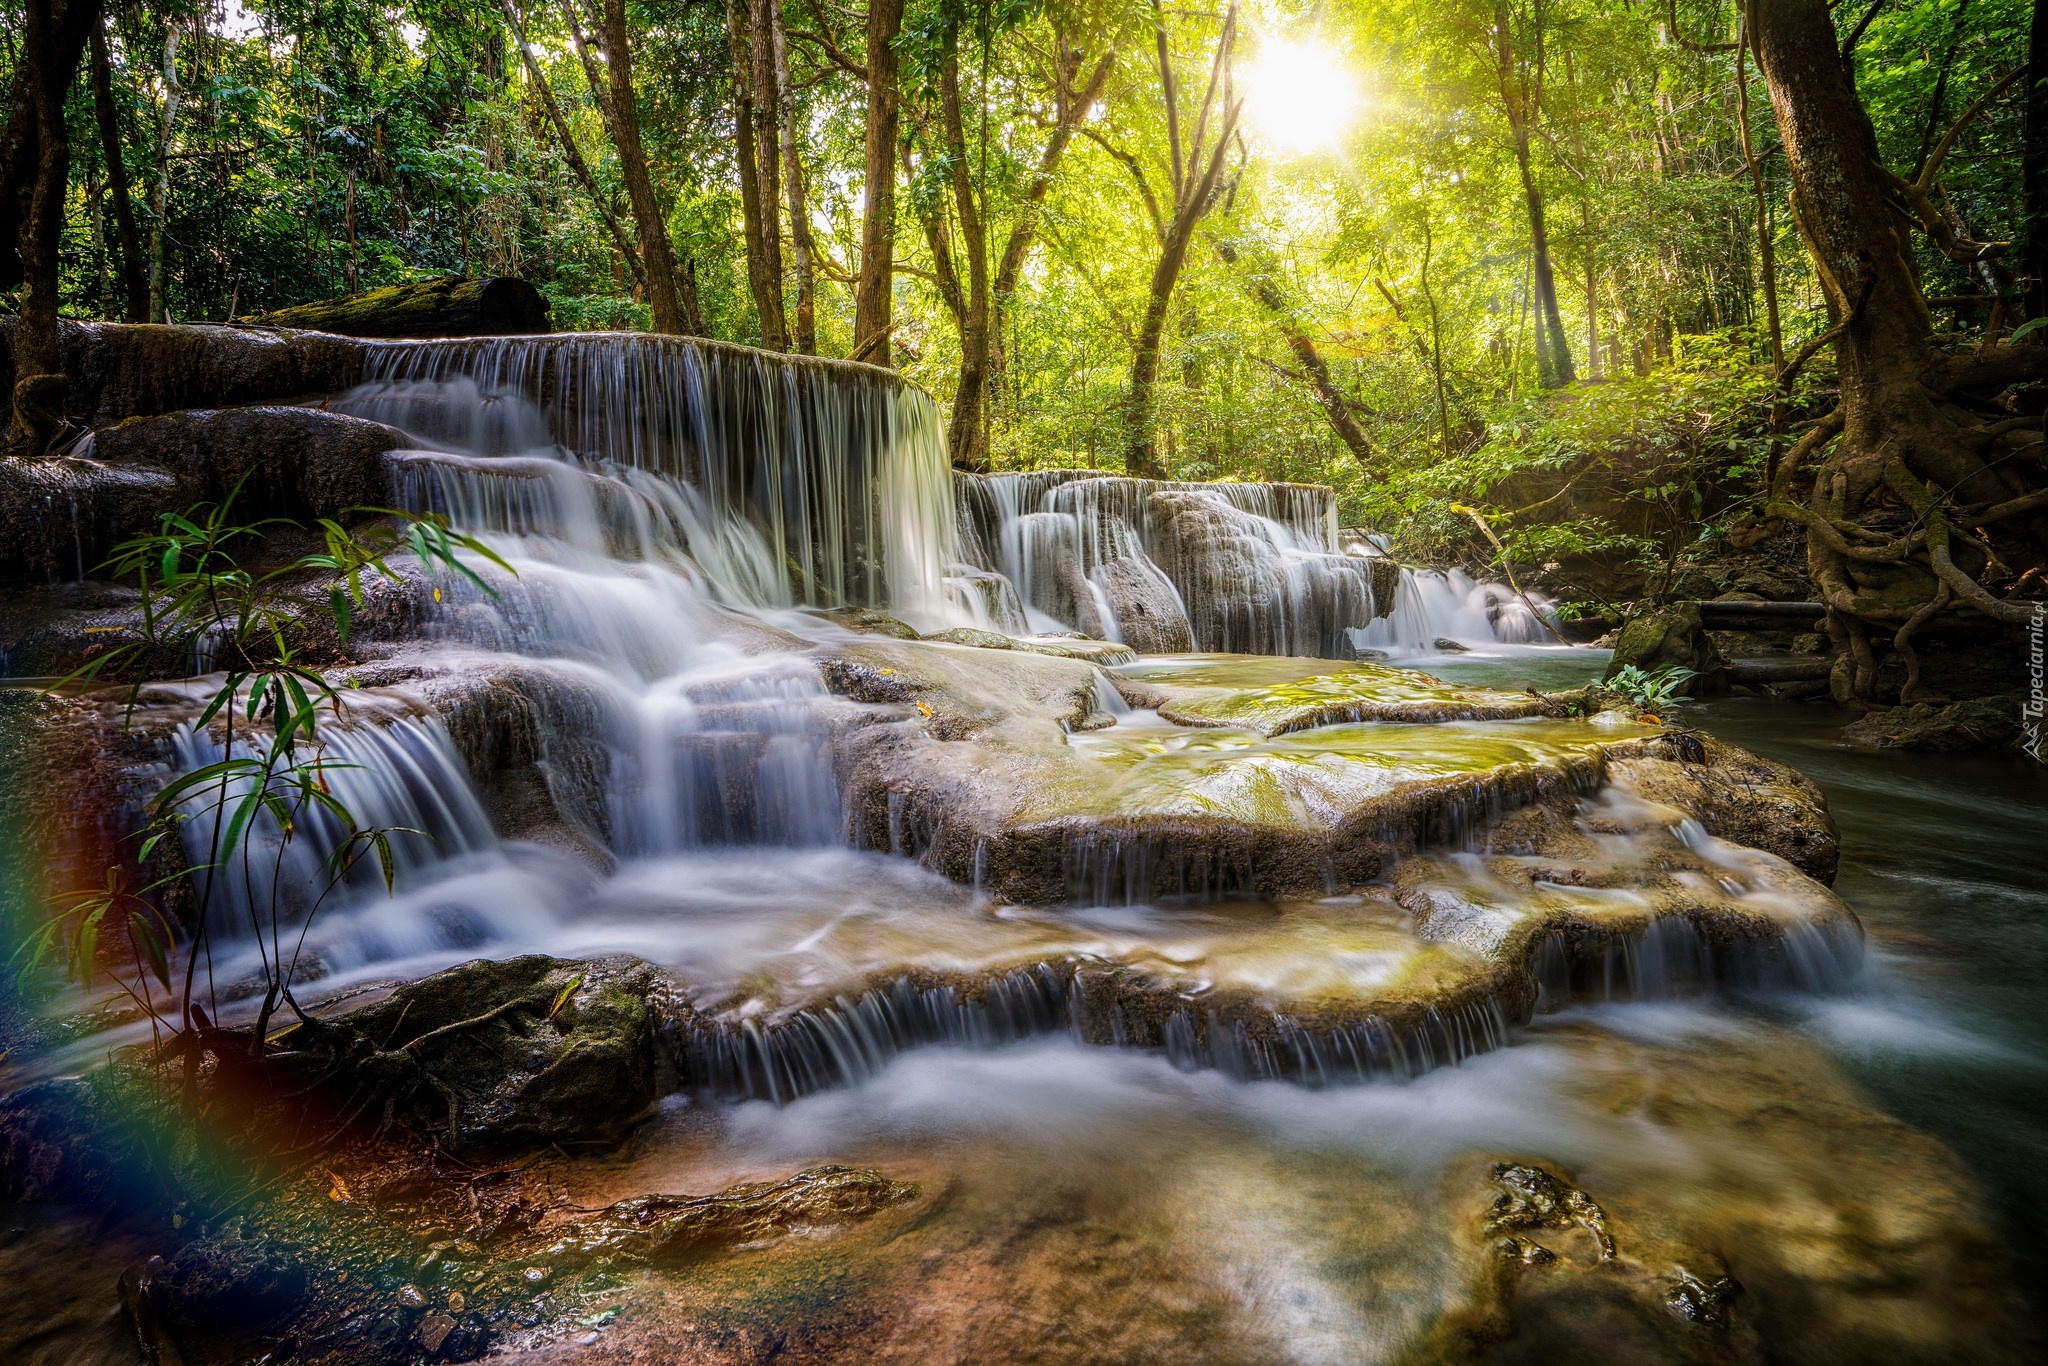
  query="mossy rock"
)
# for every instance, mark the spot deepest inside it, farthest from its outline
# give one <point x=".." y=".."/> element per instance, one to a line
<point x="1670" y="638"/>
<point x="524" y="1052"/>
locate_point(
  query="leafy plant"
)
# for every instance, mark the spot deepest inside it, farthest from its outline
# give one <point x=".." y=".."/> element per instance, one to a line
<point x="1651" y="692"/>
<point x="200" y="604"/>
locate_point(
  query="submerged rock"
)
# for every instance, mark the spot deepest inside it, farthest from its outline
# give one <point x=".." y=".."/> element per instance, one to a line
<point x="670" y="1228"/>
<point x="1979" y="723"/>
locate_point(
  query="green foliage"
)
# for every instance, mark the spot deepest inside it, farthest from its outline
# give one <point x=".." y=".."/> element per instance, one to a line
<point x="199" y="601"/>
<point x="1651" y="692"/>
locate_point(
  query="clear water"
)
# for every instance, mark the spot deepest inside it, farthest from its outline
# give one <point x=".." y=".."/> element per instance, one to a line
<point x="1945" y="860"/>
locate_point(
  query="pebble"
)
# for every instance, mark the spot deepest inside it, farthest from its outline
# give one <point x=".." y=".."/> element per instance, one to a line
<point x="434" y="1330"/>
<point x="411" y="1297"/>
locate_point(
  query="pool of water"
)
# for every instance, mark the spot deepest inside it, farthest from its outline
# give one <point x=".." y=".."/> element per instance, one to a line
<point x="1945" y="859"/>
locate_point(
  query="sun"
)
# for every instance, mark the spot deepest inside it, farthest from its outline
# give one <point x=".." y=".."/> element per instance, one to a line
<point x="1299" y="96"/>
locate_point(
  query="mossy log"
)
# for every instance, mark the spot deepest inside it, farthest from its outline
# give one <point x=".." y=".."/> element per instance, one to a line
<point x="452" y="306"/>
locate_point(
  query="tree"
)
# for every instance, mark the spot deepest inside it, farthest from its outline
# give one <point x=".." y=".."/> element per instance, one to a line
<point x="875" y="292"/>
<point x="670" y="292"/>
<point x="964" y="192"/>
<point x="1195" y="176"/>
<point x="1519" y="54"/>
<point x="35" y="169"/>
<point x="1899" y="437"/>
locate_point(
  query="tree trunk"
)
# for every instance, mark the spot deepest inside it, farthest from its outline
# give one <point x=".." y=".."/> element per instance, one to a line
<point x="449" y="307"/>
<point x="763" y="285"/>
<point x="134" y="274"/>
<point x="964" y="432"/>
<point x="2034" y="166"/>
<point x="573" y="155"/>
<point x="160" y="183"/>
<point x="1522" y="99"/>
<point x="800" y="245"/>
<point x="1073" y="107"/>
<point x="1906" y="442"/>
<point x="1334" y="405"/>
<point x="768" y="168"/>
<point x="1197" y="172"/>
<point x="38" y="167"/>
<point x="657" y="255"/>
<point x="874" y="293"/>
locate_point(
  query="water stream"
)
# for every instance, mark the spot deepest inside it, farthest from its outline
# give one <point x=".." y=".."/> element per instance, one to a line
<point x="1129" y="1161"/>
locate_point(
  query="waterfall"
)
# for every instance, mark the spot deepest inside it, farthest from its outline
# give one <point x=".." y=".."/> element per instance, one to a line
<point x="838" y="470"/>
<point x="1166" y="567"/>
<point x="1431" y="606"/>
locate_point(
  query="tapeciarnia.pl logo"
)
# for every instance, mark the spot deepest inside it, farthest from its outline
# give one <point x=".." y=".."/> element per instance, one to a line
<point x="2036" y="741"/>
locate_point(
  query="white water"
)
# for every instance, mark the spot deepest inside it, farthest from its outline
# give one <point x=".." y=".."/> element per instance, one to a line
<point x="1433" y="606"/>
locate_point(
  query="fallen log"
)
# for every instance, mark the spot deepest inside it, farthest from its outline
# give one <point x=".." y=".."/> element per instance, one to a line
<point x="1718" y="614"/>
<point x="1755" y="671"/>
<point x="452" y="306"/>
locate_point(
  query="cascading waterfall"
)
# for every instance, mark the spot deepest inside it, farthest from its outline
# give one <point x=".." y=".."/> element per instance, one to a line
<point x="647" y="492"/>
<point x="1430" y="606"/>
<point x="1165" y="567"/>
<point x="838" y="468"/>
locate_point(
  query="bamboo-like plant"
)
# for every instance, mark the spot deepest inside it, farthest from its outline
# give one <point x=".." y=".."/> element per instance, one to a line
<point x="199" y="602"/>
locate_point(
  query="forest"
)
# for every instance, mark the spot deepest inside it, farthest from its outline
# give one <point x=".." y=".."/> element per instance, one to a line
<point x="1073" y="681"/>
<point x="1543" y="260"/>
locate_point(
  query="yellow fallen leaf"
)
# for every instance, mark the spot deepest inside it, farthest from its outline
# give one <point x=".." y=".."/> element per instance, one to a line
<point x="924" y="709"/>
<point x="339" y="1192"/>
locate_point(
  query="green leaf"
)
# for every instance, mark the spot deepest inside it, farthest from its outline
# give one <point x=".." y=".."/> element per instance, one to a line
<point x="2027" y="328"/>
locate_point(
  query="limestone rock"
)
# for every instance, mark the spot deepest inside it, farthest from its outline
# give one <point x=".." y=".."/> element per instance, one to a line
<point x="1148" y="612"/>
<point x="301" y="463"/>
<point x="121" y="370"/>
<point x="668" y="1228"/>
<point x="1740" y="797"/>
<point x="59" y="518"/>
<point x="1667" y="638"/>
<point x="527" y="1051"/>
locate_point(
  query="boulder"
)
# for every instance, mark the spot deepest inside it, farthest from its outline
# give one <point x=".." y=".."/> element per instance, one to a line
<point x="60" y="517"/>
<point x="1738" y="796"/>
<point x="1670" y="637"/>
<point x="301" y="463"/>
<point x="1979" y="723"/>
<point x="121" y="370"/>
<point x="1148" y="611"/>
<point x="525" y="1052"/>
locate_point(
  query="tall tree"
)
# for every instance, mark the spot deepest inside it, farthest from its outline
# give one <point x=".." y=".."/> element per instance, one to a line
<point x="35" y="170"/>
<point x="874" y="292"/>
<point x="1195" y="175"/>
<point x="759" y="211"/>
<point x="801" y="245"/>
<point x="665" y="283"/>
<point x="1521" y="75"/>
<point x="628" y="251"/>
<point x="134" y="273"/>
<point x="977" y="289"/>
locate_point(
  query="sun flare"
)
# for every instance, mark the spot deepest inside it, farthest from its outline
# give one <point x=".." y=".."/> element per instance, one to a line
<point x="1299" y="96"/>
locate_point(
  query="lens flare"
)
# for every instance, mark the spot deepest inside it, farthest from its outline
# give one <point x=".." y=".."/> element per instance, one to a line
<point x="1299" y="96"/>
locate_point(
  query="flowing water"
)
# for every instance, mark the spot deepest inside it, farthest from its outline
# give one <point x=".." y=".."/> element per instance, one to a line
<point x="1203" y="1191"/>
